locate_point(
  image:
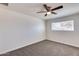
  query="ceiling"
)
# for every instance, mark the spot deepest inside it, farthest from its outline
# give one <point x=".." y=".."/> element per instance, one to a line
<point x="32" y="8"/>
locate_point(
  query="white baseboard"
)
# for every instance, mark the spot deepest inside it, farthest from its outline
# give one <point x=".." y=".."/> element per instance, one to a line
<point x="66" y="43"/>
<point x="9" y="50"/>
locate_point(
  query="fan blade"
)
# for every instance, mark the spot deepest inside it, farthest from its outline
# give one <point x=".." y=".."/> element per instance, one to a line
<point x="53" y="13"/>
<point x="46" y="14"/>
<point x="46" y="7"/>
<point x="42" y="12"/>
<point x="59" y="7"/>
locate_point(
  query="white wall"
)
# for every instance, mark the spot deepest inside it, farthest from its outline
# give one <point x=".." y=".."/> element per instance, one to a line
<point x="18" y="30"/>
<point x="70" y="38"/>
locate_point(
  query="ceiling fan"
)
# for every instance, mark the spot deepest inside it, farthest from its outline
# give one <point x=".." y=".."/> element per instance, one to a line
<point x="50" y="10"/>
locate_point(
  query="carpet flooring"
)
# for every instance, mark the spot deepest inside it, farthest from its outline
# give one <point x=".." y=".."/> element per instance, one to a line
<point x="45" y="48"/>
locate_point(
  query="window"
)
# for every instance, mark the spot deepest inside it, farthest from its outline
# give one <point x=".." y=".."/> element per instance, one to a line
<point x="63" y="26"/>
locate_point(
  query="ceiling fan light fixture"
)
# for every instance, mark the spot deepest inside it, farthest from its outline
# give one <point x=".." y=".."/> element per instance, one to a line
<point x="48" y="13"/>
<point x="49" y="10"/>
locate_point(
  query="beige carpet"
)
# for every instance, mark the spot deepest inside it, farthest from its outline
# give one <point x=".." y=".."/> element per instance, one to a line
<point x="45" y="48"/>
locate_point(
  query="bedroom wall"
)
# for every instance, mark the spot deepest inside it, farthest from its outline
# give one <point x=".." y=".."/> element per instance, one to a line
<point x="66" y="37"/>
<point x="19" y="30"/>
